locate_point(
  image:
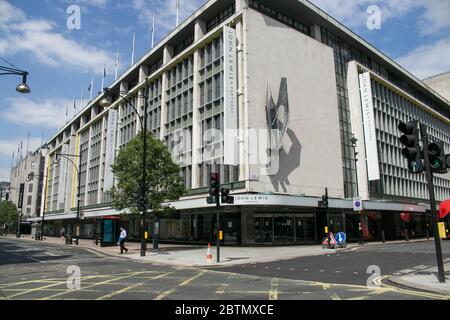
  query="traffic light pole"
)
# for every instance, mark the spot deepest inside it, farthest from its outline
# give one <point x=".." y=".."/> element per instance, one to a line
<point x="218" y="227"/>
<point x="429" y="174"/>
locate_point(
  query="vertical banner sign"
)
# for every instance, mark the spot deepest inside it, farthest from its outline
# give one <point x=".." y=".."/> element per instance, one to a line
<point x="370" y="136"/>
<point x="230" y="98"/>
<point x="62" y="177"/>
<point x="110" y="149"/>
<point x="21" y="191"/>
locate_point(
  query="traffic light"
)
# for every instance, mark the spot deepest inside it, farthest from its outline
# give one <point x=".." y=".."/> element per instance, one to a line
<point x="141" y="203"/>
<point x="324" y="202"/>
<point x="411" y="151"/>
<point x="438" y="160"/>
<point x="214" y="188"/>
<point x="226" y="198"/>
<point x="447" y="161"/>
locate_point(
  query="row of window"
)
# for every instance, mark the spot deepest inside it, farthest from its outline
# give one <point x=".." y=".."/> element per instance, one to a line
<point x="274" y="14"/>
<point x="389" y="109"/>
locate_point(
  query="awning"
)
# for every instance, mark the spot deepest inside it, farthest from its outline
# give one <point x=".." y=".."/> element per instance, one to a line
<point x="444" y="209"/>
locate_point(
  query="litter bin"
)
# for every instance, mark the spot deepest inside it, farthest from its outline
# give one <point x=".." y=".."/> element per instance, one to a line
<point x="68" y="239"/>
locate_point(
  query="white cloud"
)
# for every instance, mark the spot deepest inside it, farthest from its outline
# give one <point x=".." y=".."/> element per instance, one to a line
<point x="9" y="13"/>
<point x="92" y="3"/>
<point x="428" y="60"/>
<point x="5" y="173"/>
<point x="433" y="17"/>
<point x="7" y="147"/>
<point x="39" y="39"/>
<point x="50" y="113"/>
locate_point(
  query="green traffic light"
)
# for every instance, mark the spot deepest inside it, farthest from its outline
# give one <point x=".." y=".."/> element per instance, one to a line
<point x="436" y="164"/>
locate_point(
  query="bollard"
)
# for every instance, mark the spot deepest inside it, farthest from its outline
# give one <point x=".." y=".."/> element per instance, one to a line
<point x="383" y="237"/>
<point x="428" y="233"/>
<point x="406" y="235"/>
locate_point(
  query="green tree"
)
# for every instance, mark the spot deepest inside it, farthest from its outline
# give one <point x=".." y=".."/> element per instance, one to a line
<point x="8" y="214"/>
<point x="163" y="180"/>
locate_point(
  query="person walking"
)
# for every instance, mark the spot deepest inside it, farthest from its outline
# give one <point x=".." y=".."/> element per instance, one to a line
<point x="62" y="233"/>
<point x="122" y="237"/>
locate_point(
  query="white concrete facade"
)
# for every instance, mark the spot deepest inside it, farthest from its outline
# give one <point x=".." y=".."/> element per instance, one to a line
<point x="311" y="156"/>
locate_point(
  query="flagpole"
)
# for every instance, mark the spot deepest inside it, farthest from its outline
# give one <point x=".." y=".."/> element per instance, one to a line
<point x="28" y="142"/>
<point x="132" y="50"/>
<point x="81" y="101"/>
<point x="91" y="88"/>
<point x="117" y="64"/>
<point x="153" y="30"/>
<point x="104" y="76"/>
<point x="178" y="12"/>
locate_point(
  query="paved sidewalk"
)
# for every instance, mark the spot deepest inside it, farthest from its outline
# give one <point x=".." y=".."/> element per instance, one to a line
<point x="195" y="255"/>
<point x="425" y="280"/>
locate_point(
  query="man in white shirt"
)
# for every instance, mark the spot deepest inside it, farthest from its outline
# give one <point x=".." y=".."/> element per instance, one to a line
<point x="123" y="235"/>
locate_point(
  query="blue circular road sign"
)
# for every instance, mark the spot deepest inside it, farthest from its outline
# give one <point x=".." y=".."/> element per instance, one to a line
<point x="340" y="237"/>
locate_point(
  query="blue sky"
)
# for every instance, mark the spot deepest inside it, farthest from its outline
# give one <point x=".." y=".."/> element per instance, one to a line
<point x="34" y="36"/>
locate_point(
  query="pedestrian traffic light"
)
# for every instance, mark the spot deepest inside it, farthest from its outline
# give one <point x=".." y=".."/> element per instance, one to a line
<point x="214" y="188"/>
<point x="7" y="196"/>
<point x="226" y="198"/>
<point x="437" y="158"/>
<point x="411" y="151"/>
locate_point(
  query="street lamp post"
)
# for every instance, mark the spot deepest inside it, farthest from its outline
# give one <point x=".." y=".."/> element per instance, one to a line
<point x="105" y="102"/>
<point x="353" y="140"/>
<point x="22" y="87"/>
<point x="67" y="156"/>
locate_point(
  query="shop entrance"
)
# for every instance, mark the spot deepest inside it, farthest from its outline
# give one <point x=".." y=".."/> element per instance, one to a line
<point x="282" y="229"/>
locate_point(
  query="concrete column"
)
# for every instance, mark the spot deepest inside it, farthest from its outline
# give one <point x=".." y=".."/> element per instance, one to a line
<point x="102" y="158"/>
<point x="71" y="172"/>
<point x="167" y="56"/>
<point x="123" y="88"/>
<point x="143" y="72"/>
<point x="200" y="29"/>
<point x="247" y="225"/>
<point x="316" y="33"/>
<point x="83" y="200"/>
<point x="94" y="111"/>
<point x="241" y="4"/>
